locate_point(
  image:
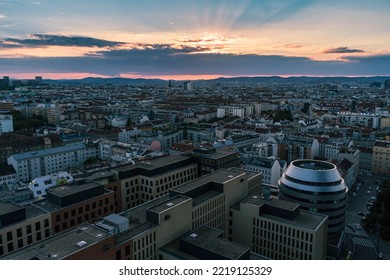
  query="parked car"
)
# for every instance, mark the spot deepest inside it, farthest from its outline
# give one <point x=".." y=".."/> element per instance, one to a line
<point x="357" y="226"/>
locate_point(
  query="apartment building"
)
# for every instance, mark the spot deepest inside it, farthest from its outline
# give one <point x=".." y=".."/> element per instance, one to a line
<point x="270" y="168"/>
<point x="278" y="229"/>
<point x="37" y="163"/>
<point x="298" y="147"/>
<point x="6" y="123"/>
<point x="381" y="158"/>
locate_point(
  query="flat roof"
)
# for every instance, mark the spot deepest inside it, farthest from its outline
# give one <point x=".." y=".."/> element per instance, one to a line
<point x="159" y="208"/>
<point x="137" y="216"/>
<point x="66" y="190"/>
<point x="152" y="164"/>
<point x="8" y="207"/>
<point x="307" y="219"/>
<point x="208" y="239"/>
<point x="220" y="176"/>
<point x="257" y="200"/>
<point x="61" y="245"/>
<point x="47" y="152"/>
<point x="218" y="154"/>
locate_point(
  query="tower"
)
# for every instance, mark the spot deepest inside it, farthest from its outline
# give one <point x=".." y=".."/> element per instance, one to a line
<point x="318" y="187"/>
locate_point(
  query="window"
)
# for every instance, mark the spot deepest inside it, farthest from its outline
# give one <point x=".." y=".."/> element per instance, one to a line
<point x="28" y="229"/>
<point x="37" y="226"/>
<point x="19" y="232"/>
<point x="9" y="236"/>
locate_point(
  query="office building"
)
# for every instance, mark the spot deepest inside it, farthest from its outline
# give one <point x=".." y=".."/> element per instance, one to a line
<point x="211" y="159"/>
<point x="318" y="187"/>
<point x="148" y="180"/>
<point x="21" y="226"/>
<point x="278" y="229"/>
<point x="85" y="242"/>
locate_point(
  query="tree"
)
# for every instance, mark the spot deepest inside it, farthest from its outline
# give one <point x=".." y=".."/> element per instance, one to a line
<point x="282" y="115"/>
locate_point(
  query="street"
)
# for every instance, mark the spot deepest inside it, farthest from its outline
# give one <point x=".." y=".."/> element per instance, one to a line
<point x="358" y="204"/>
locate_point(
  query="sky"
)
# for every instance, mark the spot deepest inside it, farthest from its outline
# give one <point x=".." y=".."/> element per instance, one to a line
<point x="201" y="39"/>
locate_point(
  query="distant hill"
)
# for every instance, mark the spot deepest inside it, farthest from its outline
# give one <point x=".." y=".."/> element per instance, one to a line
<point x="105" y="81"/>
<point x="241" y="80"/>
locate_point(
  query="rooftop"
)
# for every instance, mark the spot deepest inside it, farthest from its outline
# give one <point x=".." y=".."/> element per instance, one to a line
<point x="210" y="242"/>
<point x="307" y="219"/>
<point x="66" y="190"/>
<point x="220" y="176"/>
<point x="47" y="152"/>
<point x="61" y="245"/>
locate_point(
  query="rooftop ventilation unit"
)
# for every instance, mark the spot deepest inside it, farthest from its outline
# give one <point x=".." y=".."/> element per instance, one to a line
<point x="169" y="204"/>
<point x="81" y="244"/>
<point x="193" y="235"/>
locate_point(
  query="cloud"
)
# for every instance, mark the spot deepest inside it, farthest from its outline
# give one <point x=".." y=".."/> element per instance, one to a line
<point x="44" y="40"/>
<point x="343" y="50"/>
<point x="165" y="59"/>
<point x="292" y="46"/>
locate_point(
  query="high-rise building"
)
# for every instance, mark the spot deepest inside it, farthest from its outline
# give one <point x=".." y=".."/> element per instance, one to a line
<point x="318" y="187"/>
<point x="387" y="84"/>
<point x="4" y="83"/>
<point x="188" y="86"/>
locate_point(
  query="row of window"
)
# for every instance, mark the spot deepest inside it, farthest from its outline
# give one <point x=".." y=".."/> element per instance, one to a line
<point x="280" y="229"/>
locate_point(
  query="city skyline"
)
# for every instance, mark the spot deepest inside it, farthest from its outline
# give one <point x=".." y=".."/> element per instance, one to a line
<point x="193" y="40"/>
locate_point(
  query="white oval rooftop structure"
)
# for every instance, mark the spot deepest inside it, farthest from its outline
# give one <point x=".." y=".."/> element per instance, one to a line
<point x="318" y="187"/>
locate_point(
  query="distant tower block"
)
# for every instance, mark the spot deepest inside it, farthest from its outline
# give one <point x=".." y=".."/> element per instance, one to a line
<point x="169" y="87"/>
<point x="38" y="80"/>
<point x="387" y="84"/>
<point x="187" y="86"/>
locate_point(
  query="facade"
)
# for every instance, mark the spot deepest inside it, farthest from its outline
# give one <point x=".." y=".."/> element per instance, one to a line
<point x="168" y="138"/>
<point x="37" y="163"/>
<point x="270" y="168"/>
<point x="318" y="187"/>
<point x="211" y="159"/>
<point x="72" y="205"/>
<point x="363" y="119"/>
<point x="7" y="175"/>
<point x="298" y="147"/>
<point x="381" y="158"/>
<point x="149" y="180"/>
<point x="85" y="242"/>
<point x="21" y="226"/>
<point x="278" y="229"/>
<point x="6" y="123"/>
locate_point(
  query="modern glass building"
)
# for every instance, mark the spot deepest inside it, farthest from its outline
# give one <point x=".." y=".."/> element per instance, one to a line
<point x="318" y="187"/>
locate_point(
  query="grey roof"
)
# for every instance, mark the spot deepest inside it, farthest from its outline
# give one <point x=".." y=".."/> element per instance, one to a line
<point x="48" y="152"/>
<point x="61" y="245"/>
